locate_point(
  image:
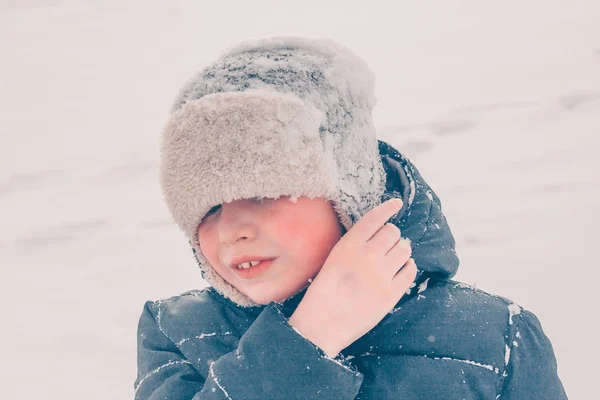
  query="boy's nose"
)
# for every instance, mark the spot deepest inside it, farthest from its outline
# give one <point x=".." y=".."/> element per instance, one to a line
<point x="235" y="224"/>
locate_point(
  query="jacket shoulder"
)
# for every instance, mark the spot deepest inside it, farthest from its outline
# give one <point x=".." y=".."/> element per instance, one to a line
<point x="470" y="303"/>
<point x="182" y="302"/>
<point x="185" y="315"/>
<point x="450" y="320"/>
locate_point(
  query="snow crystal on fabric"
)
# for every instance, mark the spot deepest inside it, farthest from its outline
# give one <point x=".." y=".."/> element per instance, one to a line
<point x="513" y="309"/>
<point x="157" y="370"/>
<point x="214" y="378"/>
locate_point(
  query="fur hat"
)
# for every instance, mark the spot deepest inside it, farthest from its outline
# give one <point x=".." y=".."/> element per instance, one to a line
<point x="273" y="117"/>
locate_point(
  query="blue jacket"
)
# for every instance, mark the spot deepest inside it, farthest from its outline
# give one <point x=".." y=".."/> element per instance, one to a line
<point x="443" y="340"/>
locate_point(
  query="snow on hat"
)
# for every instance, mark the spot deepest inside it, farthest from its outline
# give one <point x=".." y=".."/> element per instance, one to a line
<point x="281" y="116"/>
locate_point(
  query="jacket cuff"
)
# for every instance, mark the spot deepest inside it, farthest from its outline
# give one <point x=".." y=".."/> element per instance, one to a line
<point x="273" y="360"/>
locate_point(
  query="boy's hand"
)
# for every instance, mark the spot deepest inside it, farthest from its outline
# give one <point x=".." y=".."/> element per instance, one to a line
<point x="365" y="275"/>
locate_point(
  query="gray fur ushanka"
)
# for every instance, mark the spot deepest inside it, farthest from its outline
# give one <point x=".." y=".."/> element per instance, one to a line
<point x="272" y="117"/>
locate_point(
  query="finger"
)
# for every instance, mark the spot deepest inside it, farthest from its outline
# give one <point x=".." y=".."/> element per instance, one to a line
<point x="401" y="251"/>
<point x="385" y="238"/>
<point x="373" y="220"/>
<point x="405" y="276"/>
<point x="398" y="255"/>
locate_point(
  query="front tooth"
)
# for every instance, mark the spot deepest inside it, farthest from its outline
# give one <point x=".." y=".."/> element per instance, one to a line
<point x="248" y="264"/>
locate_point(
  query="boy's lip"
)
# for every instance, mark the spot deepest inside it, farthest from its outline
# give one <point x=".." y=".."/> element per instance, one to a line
<point x="245" y="258"/>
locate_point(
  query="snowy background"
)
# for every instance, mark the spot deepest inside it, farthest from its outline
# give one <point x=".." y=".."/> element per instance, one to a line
<point x="498" y="105"/>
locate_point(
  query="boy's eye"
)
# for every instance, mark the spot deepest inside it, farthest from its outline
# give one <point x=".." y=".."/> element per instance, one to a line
<point x="259" y="200"/>
<point x="211" y="211"/>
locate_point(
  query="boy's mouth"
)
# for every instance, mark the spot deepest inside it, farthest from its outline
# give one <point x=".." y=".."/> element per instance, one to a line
<point x="253" y="269"/>
<point x="248" y="261"/>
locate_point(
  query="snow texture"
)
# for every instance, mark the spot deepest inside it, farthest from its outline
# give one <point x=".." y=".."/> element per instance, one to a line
<point x="488" y="367"/>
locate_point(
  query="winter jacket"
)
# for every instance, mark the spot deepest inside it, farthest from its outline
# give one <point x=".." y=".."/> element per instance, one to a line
<point x="443" y="340"/>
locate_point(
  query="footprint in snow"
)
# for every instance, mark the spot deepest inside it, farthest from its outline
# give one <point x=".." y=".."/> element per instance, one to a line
<point x="452" y="127"/>
<point x="19" y="181"/>
<point x="574" y="100"/>
<point x="64" y="233"/>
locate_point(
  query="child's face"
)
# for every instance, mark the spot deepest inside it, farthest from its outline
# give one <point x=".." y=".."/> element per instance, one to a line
<point x="298" y="235"/>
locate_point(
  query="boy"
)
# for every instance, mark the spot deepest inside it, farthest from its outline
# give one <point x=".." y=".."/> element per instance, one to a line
<point x="271" y="167"/>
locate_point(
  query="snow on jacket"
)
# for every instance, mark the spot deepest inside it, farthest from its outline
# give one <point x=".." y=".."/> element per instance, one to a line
<point x="443" y="340"/>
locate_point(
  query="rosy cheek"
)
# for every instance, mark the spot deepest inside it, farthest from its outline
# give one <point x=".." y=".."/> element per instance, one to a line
<point x="207" y="242"/>
<point x="291" y="228"/>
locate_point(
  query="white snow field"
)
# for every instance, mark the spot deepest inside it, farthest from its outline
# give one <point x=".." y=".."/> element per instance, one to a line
<point x="498" y="105"/>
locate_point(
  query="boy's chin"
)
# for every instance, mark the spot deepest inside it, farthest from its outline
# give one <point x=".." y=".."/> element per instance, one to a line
<point x="264" y="299"/>
<point x="278" y="296"/>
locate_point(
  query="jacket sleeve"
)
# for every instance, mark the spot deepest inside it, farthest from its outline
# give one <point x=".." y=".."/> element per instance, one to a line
<point x="272" y="361"/>
<point x="531" y="371"/>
